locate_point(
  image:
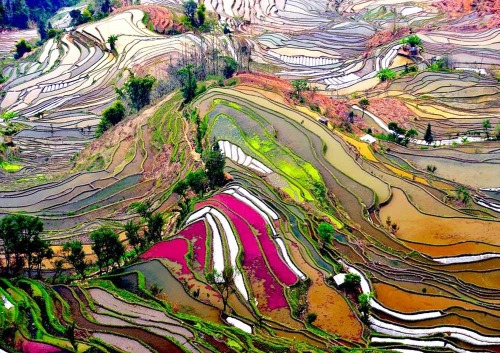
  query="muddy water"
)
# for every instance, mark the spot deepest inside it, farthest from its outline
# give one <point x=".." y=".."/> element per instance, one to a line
<point x="156" y="342"/>
<point x="298" y="139"/>
<point x="419" y="228"/>
<point x="301" y="144"/>
<point x="407" y="302"/>
<point x="454" y="249"/>
<point x="155" y="272"/>
<point x="334" y="313"/>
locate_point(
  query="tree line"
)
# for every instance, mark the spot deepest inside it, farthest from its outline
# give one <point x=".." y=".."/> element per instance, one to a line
<point x="19" y="13"/>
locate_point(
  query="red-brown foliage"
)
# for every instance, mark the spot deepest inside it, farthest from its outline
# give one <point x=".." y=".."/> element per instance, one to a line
<point x="161" y="19"/>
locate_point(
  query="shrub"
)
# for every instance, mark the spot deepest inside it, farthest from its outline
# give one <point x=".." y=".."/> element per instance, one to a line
<point x="325" y="231"/>
<point x="110" y="116"/>
<point x="138" y="90"/>
<point x="311" y="317"/>
<point x="352" y="280"/>
<point x="431" y="168"/>
<point x="230" y="66"/>
<point x="412" y="40"/>
<point x="386" y="74"/>
<point x="22" y="47"/>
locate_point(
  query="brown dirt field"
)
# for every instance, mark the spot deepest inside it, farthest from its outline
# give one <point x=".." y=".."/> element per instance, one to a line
<point x="461" y="7"/>
<point x="384" y="36"/>
<point x="411" y="302"/>
<point x="458" y="8"/>
<point x="452" y="250"/>
<point x="332" y="108"/>
<point x="161" y="19"/>
<point x="390" y="109"/>
<point x="433" y="230"/>
<point x="334" y="314"/>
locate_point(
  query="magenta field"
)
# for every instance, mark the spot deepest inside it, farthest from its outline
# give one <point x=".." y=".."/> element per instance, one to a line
<point x="253" y="262"/>
<point x="196" y="233"/>
<point x="261" y="261"/>
<point x="284" y="274"/>
<point x="174" y="250"/>
<point x="31" y="347"/>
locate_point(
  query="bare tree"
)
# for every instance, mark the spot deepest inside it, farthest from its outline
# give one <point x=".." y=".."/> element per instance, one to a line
<point x="223" y="283"/>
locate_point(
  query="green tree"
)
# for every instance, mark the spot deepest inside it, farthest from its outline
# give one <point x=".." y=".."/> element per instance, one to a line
<point x="428" y="134"/>
<point x="463" y="194"/>
<point x="352" y="280"/>
<point x="497" y="132"/>
<point x="76" y="17"/>
<point x="200" y="15"/>
<point x="411" y="133"/>
<point x="181" y="187"/>
<point x="75" y="256"/>
<point x="197" y="181"/>
<point x="486" y="127"/>
<point x="142" y="208"/>
<point x="393" y="126"/>
<point x="299" y="86"/>
<point x="107" y="247"/>
<point x="110" y="117"/>
<point x="364" y="305"/>
<point x="223" y="283"/>
<point x="58" y="269"/>
<point x="115" y="113"/>
<point x="106" y="6"/>
<point x="20" y="235"/>
<point x="386" y="74"/>
<point x="230" y="66"/>
<point x="325" y="232"/>
<point x="112" y="41"/>
<point x="412" y="40"/>
<point x="22" y="47"/>
<point x="190" y="8"/>
<point x="132" y="232"/>
<point x="188" y="82"/>
<point x="41" y="251"/>
<point x="20" y="14"/>
<point x="364" y="103"/>
<point x="214" y="164"/>
<point x="42" y="30"/>
<point x="138" y="90"/>
<point x="53" y="32"/>
<point x="69" y="333"/>
<point x="154" y="227"/>
<point x="311" y="317"/>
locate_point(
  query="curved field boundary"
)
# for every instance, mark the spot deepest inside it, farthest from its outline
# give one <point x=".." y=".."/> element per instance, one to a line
<point x="466" y="258"/>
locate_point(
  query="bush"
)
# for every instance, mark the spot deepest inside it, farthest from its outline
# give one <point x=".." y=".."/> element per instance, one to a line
<point x="311" y="317"/>
<point x="110" y="116"/>
<point x="230" y="66"/>
<point x="22" y="47"/>
<point x="325" y="231"/>
<point x="138" y="90"/>
<point x="412" y="40"/>
<point x="352" y="280"/>
<point x="386" y="74"/>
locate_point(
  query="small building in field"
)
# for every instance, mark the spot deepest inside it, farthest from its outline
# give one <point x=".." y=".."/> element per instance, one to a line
<point x="339" y="279"/>
<point x="323" y="120"/>
<point x="368" y="139"/>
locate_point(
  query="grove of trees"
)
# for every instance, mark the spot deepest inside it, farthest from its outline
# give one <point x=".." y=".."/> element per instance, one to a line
<point x="22" y="246"/>
<point x="18" y="13"/>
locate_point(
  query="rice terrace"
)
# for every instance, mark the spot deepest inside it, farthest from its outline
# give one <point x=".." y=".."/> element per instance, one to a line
<point x="249" y="176"/>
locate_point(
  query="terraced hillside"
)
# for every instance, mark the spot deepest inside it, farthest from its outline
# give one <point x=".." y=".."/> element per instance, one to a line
<point x="352" y="212"/>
